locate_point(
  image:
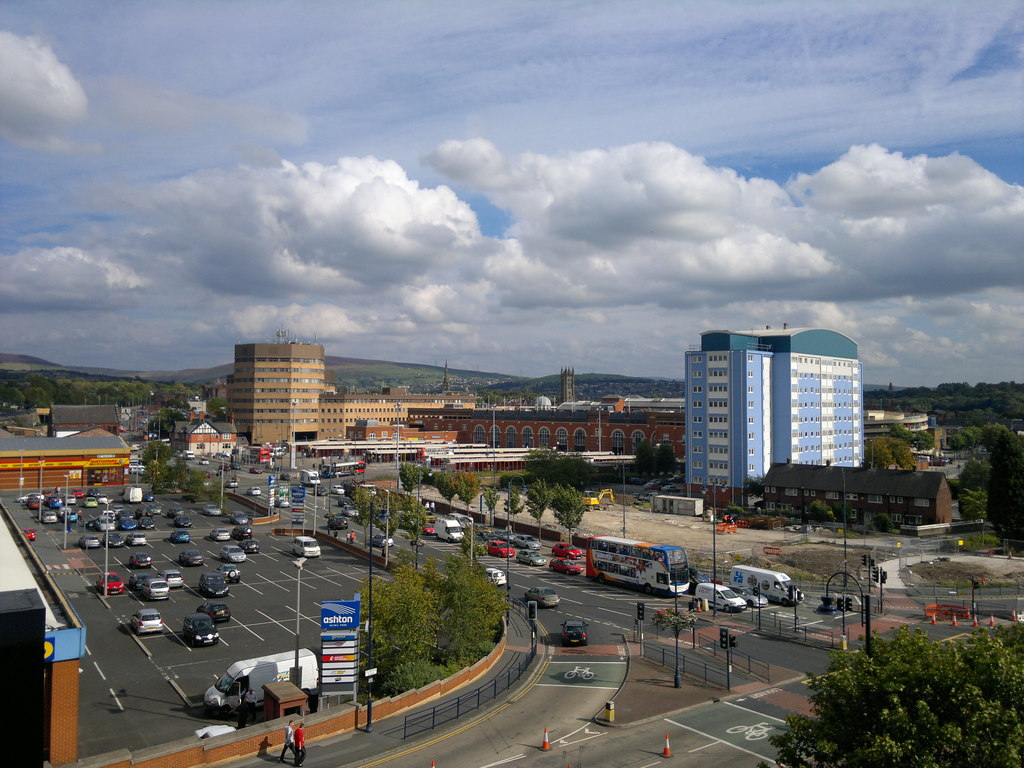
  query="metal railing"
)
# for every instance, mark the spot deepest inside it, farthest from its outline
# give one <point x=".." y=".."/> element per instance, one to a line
<point x="666" y="657"/>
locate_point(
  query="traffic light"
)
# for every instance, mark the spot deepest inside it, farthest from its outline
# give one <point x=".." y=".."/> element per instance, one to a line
<point x="874" y="573"/>
<point x="847" y="603"/>
<point x="864" y="560"/>
<point x="885" y="577"/>
<point x="640" y="611"/>
<point x="723" y="637"/>
<point x="732" y="641"/>
<point x="531" y="610"/>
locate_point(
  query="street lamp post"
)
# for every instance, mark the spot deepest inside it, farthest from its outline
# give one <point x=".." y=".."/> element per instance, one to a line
<point x="296" y="674"/>
<point x="295" y="405"/>
<point x="64" y="509"/>
<point x="623" y="499"/>
<point x="369" y="625"/>
<point x="677" y="680"/>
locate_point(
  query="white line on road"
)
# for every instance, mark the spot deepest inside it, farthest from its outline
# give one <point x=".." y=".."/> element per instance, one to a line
<point x="502" y="762"/>
<point x="104" y="677"/>
<point x="617" y="613"/>
<point x="722" y="741"/>
<point x="116" y="700"/>
<point x="753" y="712"/>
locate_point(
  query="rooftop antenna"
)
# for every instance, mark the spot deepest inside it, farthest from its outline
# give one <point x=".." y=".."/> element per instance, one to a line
<point x="282" y="335"/>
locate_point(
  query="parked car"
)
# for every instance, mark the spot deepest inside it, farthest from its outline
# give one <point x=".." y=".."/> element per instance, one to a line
<point x="136" y="539"/>
<point x="198" y="629"/>
<point x="156" y="589"/>
<point x="191" y="557"/>
<point x="213" y="585"/>
<point x="232" y="553"/>
<point x="231" y="573"/>
<point x="240" y="532"/>
<point x="140" y="560"/>
<point x="219" y="534"/>
<point x="524" y="541"/>
<point x="182" y="521"/>
<point x="240" y="518"/>
<point x="147" y="497"/>
<point x="561" y="565"/>
<point x="171" y="513"/>
<point x="249" y="546"/>
<point x="180" y="536"/>
<point x="127" y="523"/>
<point x="530" y="557"/>
<point x="111" y="584"/>
<point x="217" y="611"/>
<point x="147" y="523"/>
<point x="566" y="550"/>
<point x="89" y="541"/>
<point x="114" y="539"/>
<point x="500" y="548"/>
<point x="211" y="510"/>
<point x="574" y="632"/>
<point x="752" y="600"/>
<point x="427" y="530"/>
<point x="90" y="502"/>
<point x="173" y="578"/>
<point x="137" y="581"/>
<point x="545" y="597"/>
<point x="146" y="621"/>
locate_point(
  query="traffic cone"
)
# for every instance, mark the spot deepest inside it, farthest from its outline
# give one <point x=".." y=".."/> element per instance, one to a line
<point x="667" y="752"/>
<point x="547" y="743"/>
<point x="974" y="620"/>
<point x="991" y="620"/>
<point x="954" y="619"/>
<point x="933" y="618"/>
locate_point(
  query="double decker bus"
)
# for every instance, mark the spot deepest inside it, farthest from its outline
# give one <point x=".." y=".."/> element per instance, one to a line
<point x="654" y="569"/>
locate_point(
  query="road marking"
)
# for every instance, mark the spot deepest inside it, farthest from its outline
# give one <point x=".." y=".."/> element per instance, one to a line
<point x="102" y="676"/>
<point x="502" y="762"/>
<point x="722" y="741"/>
<point x="755" y="713"/>
<point x="617" y="613"/>
<point x="116" y="700"/>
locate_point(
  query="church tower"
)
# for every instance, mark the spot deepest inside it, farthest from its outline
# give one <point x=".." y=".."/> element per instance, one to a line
<point x="567" y="388"/>
<point x="444" y="381"/>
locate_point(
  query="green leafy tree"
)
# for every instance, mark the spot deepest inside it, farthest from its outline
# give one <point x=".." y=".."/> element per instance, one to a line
<point x="195" y="487"/>
<point x="410" y="475"/>
<point x="470" y="610"/>
<point x="820" y="512"/>
<point x="886" y="452"/>
<point x="538" y="499"/>
<point x="1006" y="484"/>
<point x="513" y="502"/>
<point x="899" y="432"/>
<point x="973" y="504"/>
<point x="490" y="494"/>
<point x="555" y="468"/>
<point x="363" y="500"/>
<point x="467" y="487"/>
<point x="665" y="459"/>
<point x="915" y="703"/>
<point x="923" y="441"/>
<point x="410" y="516"/>
<point x="753" y="485"/>
<point x="217" y="408"/>
<point x="568" y="507"/>
<point x="445" y="485"/>
<point x="644" y="460"/>
<point x="975" y="474"/>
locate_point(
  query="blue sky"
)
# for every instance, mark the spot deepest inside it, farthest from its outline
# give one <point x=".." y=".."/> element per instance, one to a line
<point x="513" y="186"/>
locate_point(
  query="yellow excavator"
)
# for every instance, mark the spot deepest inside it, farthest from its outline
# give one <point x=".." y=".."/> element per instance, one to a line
<point x="594" y="498"/>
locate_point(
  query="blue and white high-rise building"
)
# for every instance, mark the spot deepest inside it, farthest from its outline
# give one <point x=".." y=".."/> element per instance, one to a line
<point x="755" y="398"/>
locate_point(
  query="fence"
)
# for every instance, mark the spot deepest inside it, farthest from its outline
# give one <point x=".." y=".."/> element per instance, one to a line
<point x="705" y="641"/>
<point x="472" y="700"/>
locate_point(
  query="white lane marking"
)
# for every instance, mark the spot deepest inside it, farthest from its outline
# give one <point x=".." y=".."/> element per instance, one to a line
<point x="116" y="700"/>
<point x="722" y="741"/>
<point x="753" y="712"/>
<point x="102" y="676"/>
<point x="502" y="762"/>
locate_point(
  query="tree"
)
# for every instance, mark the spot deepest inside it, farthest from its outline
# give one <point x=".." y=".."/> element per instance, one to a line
<point x="973" y="504"/>
<point x="820" y="512"/>
<point x="514" y="502"/>
<point x="558" y="468"/>
<point x="467" y="487"/>
<point x="886" y="452"/>
<point x="217" y="408"/>
<point x="568" y="506"/>
<point x="974" y="476"/>
<point x="538" y="497"/>
<point x="445" y="485"/>
<point x="410" y="475"/>
<point x="923" y="441"/>
<point x="470" y="609"/>
<point x="490" y="494"/>
<point x="664" y="459"/>
<point x="1006" y="485"/>
<point x="643" y="458"/>
<point x="915" y="703"/>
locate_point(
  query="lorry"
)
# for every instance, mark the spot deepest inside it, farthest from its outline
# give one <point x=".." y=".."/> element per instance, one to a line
<point x="132" y="494"/>
<point x="310" y="478"/>
<point x="720" y="596"/>
<point x="225" y="695"/>
<point x="775" y="586"/>
<point x="448" y="529"/>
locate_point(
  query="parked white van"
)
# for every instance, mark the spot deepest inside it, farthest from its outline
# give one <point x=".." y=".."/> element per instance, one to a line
<point x="719" y="595"/>
<point x="773" y="585"/>
<point x="305" y="546"/>
<point x="448" y="529"/>
<point x="225" y="695"/>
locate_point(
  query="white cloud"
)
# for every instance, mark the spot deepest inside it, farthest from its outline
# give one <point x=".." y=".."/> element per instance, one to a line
<point x="39" y="96"/>
<point x="65" y="279"/>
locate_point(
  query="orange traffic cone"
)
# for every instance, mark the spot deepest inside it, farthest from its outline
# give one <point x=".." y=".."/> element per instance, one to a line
<point x="933" y="618"/>
<point x="667" y="752"/>
<point x="547" y="744"/>
<point x="954" y="619"/>
<point x="974" y="621"/>
<point x="991" y="620"/>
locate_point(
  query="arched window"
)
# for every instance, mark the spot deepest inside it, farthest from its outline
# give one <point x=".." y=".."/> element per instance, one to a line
<point x="510" y="437"/>
<point x="579" y="440"/>
<point x="527" y="437"/>
<point x="618" y="442"/>
<point x="478" y="434"/>
<point x="638" y="437"/>
<point x="495" y="437"/>
<point x="545" y="437"/>
<point x="562" y="439"/>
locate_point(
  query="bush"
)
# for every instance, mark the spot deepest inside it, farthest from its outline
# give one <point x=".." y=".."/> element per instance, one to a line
<point x="410" y="675"/>
<point x="882" y="522"/>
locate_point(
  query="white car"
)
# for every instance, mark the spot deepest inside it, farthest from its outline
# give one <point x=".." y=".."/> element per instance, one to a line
<point x="173" y="578"/>
<point x="496" y="577"/>
<point x="204" y="461"/>
<point x="255" y="491"/>
<point x="232" y="553"/>
<point x="101" y="499"/>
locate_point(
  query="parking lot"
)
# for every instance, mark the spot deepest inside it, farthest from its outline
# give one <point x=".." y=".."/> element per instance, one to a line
<point x="153" y="684"/>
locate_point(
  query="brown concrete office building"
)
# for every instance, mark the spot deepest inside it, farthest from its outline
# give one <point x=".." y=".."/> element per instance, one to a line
<point x="275" y="391"/>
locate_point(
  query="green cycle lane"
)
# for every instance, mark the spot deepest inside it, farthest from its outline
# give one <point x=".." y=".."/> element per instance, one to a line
<point x="744" y="729"/>
<point x="584" y="672"/>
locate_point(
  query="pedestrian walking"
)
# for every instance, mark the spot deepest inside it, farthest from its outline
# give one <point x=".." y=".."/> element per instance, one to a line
<point x="289" y="740"/>
<point x="299" y="744"/>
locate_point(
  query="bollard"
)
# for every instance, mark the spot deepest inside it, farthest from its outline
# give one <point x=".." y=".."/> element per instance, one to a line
<point x="609" y="711"/>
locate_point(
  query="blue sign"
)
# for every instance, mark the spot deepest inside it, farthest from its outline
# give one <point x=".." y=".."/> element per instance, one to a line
<point x="298" y="493"/>
<point x="271" y="480"/>
<point x="339" y="614"/>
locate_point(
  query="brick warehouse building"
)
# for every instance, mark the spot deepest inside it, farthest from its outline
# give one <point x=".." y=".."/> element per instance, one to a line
<point x="576" y="431"/>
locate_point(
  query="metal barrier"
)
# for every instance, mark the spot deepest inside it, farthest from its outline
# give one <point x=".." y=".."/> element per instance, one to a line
<point x="740" y="660"/>
<point x="471" y="700"/>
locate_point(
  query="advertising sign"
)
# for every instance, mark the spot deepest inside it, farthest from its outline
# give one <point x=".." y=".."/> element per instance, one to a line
<point x="339" y="614"/>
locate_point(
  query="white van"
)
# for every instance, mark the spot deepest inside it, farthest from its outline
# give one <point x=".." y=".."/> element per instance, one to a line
<point x="448" y="529"/>
<point x="773" y="585"/>
<point x="132" y="494"/>
<point x="225" y="695"/>
<point x="309" y="478"/>
<point x="305" y="546"/>
<point x="188" y="455"/>
<point x="719" y="595"/>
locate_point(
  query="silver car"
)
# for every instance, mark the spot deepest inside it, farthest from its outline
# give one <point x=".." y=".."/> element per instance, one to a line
<point x="524" y="541"/>
<point x="156" y="589"/>
<point x="220" y="534"/>
<point x="232" y="553"/>
<point x="173" y="578"/>
<point x="136" y="539"/>
<point x="147" y="620"/>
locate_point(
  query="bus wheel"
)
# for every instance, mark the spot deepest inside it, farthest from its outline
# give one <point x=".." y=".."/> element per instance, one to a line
<point x="600" y="578"/>
<point x="647" y="589"/>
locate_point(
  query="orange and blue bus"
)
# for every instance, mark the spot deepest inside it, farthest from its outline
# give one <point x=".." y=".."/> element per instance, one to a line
<point x="654" y="569"/>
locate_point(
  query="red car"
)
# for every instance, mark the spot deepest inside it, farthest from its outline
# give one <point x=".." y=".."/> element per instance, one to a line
<point x="30" y="533"/>
<point x="78" y="494"/>
<point x="561" y="565"/>
<point x="566" y="550"/>
<point x="255" y="470"/>
<point x="500" y="548"/>
<point x="112" y="582"/>
<point x="428" y="530"/>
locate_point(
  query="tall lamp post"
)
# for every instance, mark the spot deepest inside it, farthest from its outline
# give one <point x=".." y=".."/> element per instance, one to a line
<point x="508" y="522"/>
<point x="623" y="499"/>
<point x="295" y="405"/>
<point x="398" y="445"/>
<point x="64" y="509"/>
<point x="369" y="625"/>
<point x="296" y="674"/>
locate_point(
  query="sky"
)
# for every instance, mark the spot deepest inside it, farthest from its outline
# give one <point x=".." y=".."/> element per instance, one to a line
<point x="513" y="186"/>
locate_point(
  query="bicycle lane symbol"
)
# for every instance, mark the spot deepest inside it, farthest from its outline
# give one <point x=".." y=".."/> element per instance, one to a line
<point x="754" y="732"/>
<point x="583" y="673"/>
